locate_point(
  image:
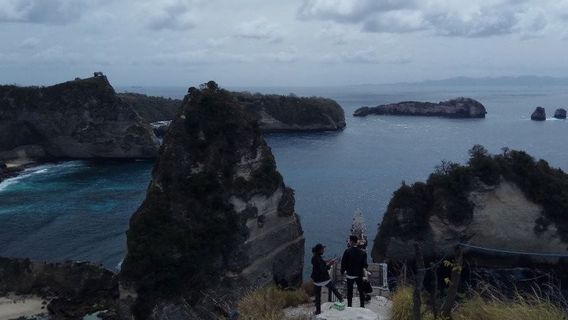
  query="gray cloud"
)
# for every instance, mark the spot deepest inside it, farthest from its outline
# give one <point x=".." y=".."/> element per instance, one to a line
<point x="366" y="56"/>
<point x="349" y="11"/>
<point x="259" y="29"/>
<point x="440" y="17"/>
<point x="43" y="11"/>
<point x="174" y="16"/>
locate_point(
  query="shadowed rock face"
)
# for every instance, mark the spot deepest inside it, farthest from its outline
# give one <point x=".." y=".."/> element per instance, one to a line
<point x="217" y="219"/>
<point x="539" y="114"/>
<point x="76" y="119"/>
<point x="560" y="113"/>
<point x="455" y="108"/>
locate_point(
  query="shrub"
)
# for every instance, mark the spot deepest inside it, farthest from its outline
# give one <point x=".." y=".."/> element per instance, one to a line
<point x="402" y="304"/>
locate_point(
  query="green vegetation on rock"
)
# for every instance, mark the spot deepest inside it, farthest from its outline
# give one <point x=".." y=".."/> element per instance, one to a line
<point x="152" y="109"/>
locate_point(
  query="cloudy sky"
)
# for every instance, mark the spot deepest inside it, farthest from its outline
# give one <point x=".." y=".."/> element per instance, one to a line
<point x="280" y="42"/>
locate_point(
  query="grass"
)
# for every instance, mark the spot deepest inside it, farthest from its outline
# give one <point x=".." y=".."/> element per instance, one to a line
<point x="491" y="306"/>
<point x="402" y="305"/>
<point x="533" y="307"/>
<point x="268" y="303"/>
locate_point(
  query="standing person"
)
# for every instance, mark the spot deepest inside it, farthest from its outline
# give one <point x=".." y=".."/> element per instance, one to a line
<point x="353" y="262"/>
<point x="320" y="275"/>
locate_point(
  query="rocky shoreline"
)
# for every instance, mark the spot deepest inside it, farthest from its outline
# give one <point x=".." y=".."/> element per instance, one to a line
<point x="69" y="290"/>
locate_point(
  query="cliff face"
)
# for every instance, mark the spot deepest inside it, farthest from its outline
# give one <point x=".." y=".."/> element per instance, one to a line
<point x="506" y="202"/>
<point x="455" y="108"/>
<point x="277" y="113"/>
<point x="217" y="219"/>
<point x="76" y="119"/>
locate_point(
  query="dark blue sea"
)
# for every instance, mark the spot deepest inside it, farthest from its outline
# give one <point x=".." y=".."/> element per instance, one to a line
<point x="80" y="210"/>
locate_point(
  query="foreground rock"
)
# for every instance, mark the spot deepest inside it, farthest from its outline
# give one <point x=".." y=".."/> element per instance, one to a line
<point x="217" y="219"/>
<point x="560" y="113"/>
<point x="539" y="114"/>
<point x="73" y="289"/>
<point x="77" y="119"/>
<point x="455" y="108"/>
<point x="501" y="202"/>
<point x="330" y="313"/>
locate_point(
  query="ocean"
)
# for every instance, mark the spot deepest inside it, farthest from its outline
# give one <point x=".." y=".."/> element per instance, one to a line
<point x="79" y="210"/>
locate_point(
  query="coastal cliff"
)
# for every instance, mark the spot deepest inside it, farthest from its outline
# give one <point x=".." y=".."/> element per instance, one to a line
<point x="455" y="108"/>
<point x="217" y="219"/>
<point x="506" y="202"/>
<point x="76" y="119"/>
<point x="151" y="109"/>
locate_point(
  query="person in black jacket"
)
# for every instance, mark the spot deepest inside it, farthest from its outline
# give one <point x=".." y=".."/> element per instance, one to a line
<point x="320" y="275"/>
<point x="353" y="262"/>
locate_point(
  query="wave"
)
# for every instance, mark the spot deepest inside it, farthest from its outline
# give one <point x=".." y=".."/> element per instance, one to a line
<point x="40" y="170"/>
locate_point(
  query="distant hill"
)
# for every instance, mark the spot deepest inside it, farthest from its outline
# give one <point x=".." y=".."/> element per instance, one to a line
<point x="494" y="81"/>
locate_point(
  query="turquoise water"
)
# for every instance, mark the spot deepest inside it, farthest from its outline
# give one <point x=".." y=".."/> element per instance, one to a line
<point x="80" y="210"/>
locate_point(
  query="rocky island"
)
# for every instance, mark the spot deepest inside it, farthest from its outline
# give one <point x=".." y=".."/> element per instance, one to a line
<point x="80" y="119"/>
<point x="455" y="108"/>
<point x="539" y="114"/>
<point x="560" y="113"/>
<point x="217" y="219"/>
<point x="274" y="113"/>
<point x="507" y="202"/>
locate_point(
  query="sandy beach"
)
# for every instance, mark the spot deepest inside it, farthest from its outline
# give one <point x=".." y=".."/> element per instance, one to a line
<point x="13" y="307"/>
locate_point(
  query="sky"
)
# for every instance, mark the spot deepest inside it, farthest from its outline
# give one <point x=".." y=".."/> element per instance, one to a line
<point x="280" y="43"/>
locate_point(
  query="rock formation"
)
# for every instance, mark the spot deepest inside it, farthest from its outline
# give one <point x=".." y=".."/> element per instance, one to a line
<point x="455" y="108"/>
<point x="73" y="289"/>
<point x="274" y="113"/>
<point x="539" y="114"/>
<point x="505" y="202"/>
<point x="75" y="119"/>
<point x="277" y="113"/>
<point x="217" y="219"/>
<point x="560" y="113"/>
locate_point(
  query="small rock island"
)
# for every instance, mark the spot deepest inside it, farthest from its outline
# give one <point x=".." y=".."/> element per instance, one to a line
<point x="560" y="113"/>
<point x="539" y="114"/>
<point x="454" y="108"/>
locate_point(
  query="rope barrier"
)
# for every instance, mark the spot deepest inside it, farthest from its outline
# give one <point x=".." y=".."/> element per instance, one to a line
<point x="510" y="252"/>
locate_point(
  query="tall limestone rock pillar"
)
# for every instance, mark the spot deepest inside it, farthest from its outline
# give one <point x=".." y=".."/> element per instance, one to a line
<point x="217" y="220"/>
